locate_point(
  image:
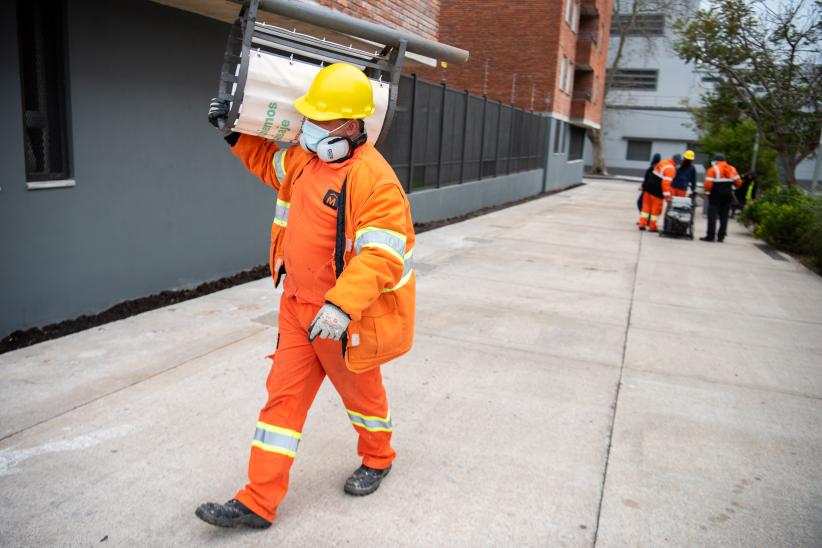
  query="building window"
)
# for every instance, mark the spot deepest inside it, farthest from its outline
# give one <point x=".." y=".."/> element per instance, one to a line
<point x="639" y="151"/>
<point x="577" y="144"/>
<point x="557" y="136"/>
<point x="575" y="18"/>
<point x="650" y="24"/>
<point x="570" y="86"/>
<point x="562" y="74"/>
<point x="43" y="78"/>
<point x="639" y="79"/>
<point x="568" y="11"/>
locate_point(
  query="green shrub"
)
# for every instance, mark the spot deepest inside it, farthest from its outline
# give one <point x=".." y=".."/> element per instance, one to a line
<point x="790" y="220"/>
<point x="784" y="225"/>
<point x="811" y="240"/>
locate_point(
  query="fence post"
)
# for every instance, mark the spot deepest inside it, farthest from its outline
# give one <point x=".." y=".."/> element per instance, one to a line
<point x="546" y="151"/>
<point x="499" y="134"/>
<point x="411" y="136"/>
<point x="442" y="134"/>
<point x="482" y="135"/>
<point x="464" y="137"/>
<point x="510" y="141"/>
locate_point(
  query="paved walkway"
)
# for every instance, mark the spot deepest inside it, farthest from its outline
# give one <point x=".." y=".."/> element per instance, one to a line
<point x="573" y="382"/>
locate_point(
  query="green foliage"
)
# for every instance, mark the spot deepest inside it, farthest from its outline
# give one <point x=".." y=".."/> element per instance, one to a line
<point x="761" y="53"/>
<point x="790" y="220"/>
<point x="736" y="141"/>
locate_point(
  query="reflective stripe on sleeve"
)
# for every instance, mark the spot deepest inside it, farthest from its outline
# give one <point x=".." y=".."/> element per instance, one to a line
<point x="281" y="213"/>
<point x="372" y="424"/>
<point x="275" y="439"/>
<point x="407" y="270"/>
<point x="278" y="161"/>
<point x="387" y="240"/>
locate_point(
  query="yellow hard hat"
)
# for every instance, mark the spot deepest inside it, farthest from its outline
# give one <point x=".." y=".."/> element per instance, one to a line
<point x="689" y="155"/>
<point x="338" y="91"/>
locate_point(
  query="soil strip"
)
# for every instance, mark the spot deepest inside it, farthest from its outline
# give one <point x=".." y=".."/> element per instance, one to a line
<point x="27" y="337"/>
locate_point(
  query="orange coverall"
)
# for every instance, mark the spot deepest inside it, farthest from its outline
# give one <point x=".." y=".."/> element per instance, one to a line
<point x="377" y="285"/>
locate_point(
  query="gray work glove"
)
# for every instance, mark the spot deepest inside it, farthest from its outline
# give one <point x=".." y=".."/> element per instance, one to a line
<point x="329" y="323"/>
<point x="217" y="112"/>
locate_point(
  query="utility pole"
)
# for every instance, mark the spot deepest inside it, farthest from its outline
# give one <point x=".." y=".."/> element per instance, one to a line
<point x="817" y="168"/>
<point x="513" y="88"/>
<point x="755" y="151"/>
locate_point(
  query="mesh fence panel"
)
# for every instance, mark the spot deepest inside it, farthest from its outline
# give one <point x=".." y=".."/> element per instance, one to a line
<point x="441" y="136"/>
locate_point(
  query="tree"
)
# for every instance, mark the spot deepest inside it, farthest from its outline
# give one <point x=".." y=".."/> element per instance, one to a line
<point x="627" y="21"/>
<point x="724" y="128"/>
<point x="770" y="59"/>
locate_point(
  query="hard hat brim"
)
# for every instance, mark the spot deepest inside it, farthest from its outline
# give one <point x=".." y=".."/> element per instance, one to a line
<point x="309" y="110"/>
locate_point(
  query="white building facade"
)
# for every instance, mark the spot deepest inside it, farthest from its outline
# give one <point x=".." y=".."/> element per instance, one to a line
<point x="646" y="107"/>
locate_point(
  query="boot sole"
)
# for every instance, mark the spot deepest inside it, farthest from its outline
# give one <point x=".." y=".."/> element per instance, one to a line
<point x="246" y="521"/>
<point x="361" y="493"/>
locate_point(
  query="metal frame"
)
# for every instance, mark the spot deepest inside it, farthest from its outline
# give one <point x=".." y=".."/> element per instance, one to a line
<point x="385" y="65"/>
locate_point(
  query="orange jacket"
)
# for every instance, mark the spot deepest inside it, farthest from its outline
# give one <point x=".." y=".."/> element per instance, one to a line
<point x="376" y="286"/>
<point x="666" y="170"/>
<point x="721" y="173"/>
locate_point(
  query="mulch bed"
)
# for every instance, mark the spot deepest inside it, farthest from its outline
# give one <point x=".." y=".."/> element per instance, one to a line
<point x="27" y="337"/>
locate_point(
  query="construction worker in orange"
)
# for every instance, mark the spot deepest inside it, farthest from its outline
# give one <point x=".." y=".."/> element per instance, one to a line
<point x="659" y="189"/>
<point x="343" y="239"/>
<point x="720" y="181"/>
<point x="685" y="178"/>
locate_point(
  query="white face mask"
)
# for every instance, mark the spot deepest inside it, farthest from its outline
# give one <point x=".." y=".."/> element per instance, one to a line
<point x="312" y="135"/>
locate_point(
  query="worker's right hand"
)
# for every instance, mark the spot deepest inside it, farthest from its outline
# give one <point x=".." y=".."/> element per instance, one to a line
<point x="218" y="111"/>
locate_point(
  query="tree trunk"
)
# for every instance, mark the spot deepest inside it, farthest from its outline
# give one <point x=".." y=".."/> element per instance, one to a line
<point x="789" y="165"/>
<point x="598" y="166"/>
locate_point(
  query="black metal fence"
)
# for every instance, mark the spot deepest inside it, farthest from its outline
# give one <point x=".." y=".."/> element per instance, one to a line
<point x="441" y="136"/>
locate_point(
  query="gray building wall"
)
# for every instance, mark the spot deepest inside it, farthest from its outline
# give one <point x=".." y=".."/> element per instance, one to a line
<point x="562" y="172"/>
<point x="159" y="202"/>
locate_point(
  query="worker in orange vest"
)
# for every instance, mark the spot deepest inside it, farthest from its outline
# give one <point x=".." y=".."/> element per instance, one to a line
<point x="343" y="237"/>
<point x="660" y="190"/>
<point x="720" y="181"/>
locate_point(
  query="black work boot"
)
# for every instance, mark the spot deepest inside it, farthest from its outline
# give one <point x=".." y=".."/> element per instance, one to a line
<point x="230" y="514"/>
<point x="365" y="480"/>
<point x="706" y="239"/>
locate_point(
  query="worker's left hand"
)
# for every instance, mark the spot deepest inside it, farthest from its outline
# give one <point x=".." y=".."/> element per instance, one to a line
<point x="329" y="323"/>
<point x="217" y="111"/>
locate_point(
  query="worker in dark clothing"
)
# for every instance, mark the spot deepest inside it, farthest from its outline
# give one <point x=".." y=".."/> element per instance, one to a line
<point x="747" y="191"/>
<point x="654" y="161"/>
<point x="685" y="178"/>
<point x="651" y="197"/>
<point x="720" y="181"/>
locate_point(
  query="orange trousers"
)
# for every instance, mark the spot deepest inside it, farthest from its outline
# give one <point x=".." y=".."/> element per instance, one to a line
<point x="297" y="372"/>
<point x="678" y="191"/>
<point x="651" y="210"/>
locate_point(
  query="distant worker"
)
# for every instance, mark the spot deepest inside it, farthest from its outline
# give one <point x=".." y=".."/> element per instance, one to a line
<point x="685" y="178"/>
<point x="343" y="237"/>
<point x="720" y="181"/>
<point x="666" y="170"/>
<point x="745" y="193"/>
<point x="651" y="197"/>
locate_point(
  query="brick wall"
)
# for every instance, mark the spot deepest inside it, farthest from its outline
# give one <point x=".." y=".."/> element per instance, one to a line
<point x="418" y="17"/>
<point x="517" y="49"/>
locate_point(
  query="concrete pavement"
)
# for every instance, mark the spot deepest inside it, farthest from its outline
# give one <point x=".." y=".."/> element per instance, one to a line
<point x="573" y="382"/>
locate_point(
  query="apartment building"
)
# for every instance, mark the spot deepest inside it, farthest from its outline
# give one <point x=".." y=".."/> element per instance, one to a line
<point x="542" y="55"/>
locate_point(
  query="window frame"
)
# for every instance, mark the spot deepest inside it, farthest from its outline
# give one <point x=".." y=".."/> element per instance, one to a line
<point x="621" y="79"/>
<point x="42" y="55"/>
<point x="628" y="144"/>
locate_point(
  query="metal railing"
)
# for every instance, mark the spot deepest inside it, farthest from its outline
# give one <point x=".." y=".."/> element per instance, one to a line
<point x="441" y="136"/>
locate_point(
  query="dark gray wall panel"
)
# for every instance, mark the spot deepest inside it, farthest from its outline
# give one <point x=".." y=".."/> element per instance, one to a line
<point x="160" y="202"/>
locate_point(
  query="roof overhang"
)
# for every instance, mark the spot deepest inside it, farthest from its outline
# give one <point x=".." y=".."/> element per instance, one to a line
<point x="227" y="10"/>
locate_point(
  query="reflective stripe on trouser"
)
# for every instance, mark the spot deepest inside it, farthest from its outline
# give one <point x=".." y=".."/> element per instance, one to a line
<point x="651" y="209"/>
<point x="297" y="372"/>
